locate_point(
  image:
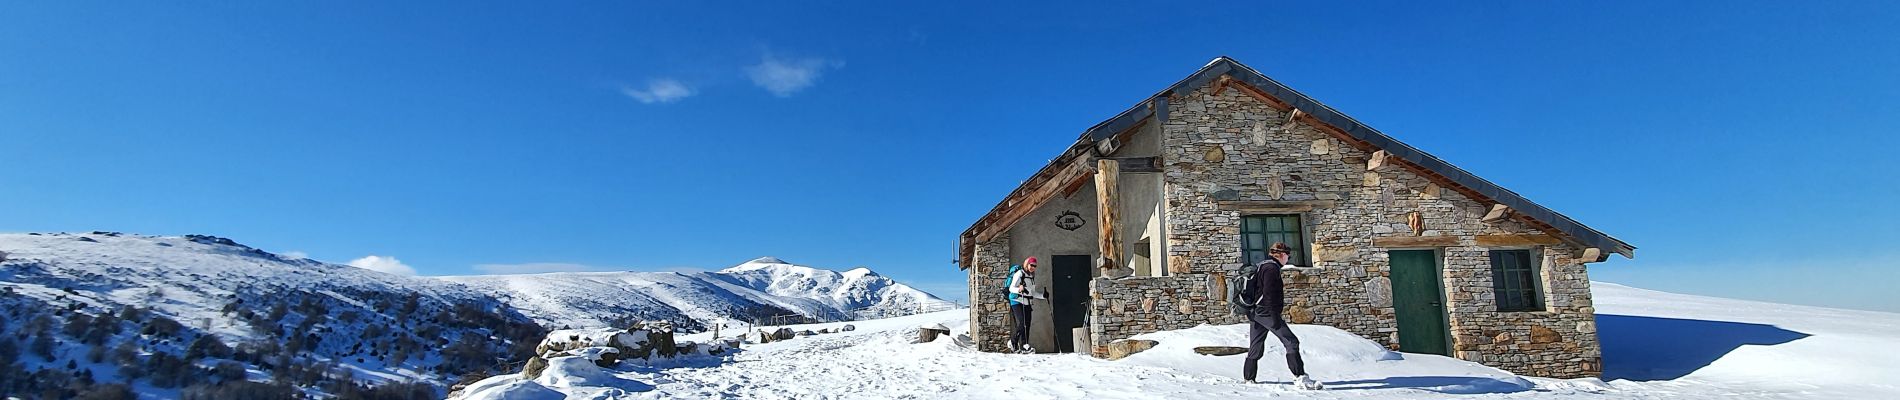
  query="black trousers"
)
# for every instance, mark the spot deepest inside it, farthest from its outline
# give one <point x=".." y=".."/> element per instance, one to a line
<point x="1019" y="313"/>
<point x="1259" y="327"/>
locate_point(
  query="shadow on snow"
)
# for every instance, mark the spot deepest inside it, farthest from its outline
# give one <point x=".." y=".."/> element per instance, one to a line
<point x="1651" y="348"/>
<point x="1440" y="384"/>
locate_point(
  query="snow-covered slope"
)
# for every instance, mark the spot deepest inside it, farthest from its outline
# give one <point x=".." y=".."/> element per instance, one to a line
<point x="1756" y="349"/>
<point x="1658" y="345"/>
<point x="755" y="289"/>
<point x="152" y="295"/>
<point x="583" y="299"/>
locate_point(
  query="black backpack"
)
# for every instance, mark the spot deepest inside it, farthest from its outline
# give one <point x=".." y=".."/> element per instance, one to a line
<point x="1237" y="289"/>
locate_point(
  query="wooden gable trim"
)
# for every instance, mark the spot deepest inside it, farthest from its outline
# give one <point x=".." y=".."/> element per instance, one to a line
<point x="1069" y="170"/>
<point x="1077" y="169"/>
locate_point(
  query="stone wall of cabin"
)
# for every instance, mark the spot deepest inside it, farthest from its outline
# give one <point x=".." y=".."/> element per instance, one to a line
<point x="989" y="310"/>
<point x="1135" y="305"/>
<point x="1226" y="148"/>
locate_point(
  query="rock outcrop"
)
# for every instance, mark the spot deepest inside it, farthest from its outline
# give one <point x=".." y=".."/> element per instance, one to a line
<point x="1219" y="350"/>
<point x="606" y="347"/>
<point x="1127" y="347"/>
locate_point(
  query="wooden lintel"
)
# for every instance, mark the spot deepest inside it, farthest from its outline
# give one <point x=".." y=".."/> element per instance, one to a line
<point x="1415" y="241"/>
<point x="1139" y="164"/>
<point x="1515" y="240"/>
<point x="1498" y="213"/>
<point x="1108" y="212"/>
<point x="1591" y="255"/>
<point x="1377" y="160"/>
<point x="1273" y="206"/>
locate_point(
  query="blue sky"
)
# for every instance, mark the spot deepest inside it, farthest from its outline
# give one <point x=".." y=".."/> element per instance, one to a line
<point x="1746" y="148"/>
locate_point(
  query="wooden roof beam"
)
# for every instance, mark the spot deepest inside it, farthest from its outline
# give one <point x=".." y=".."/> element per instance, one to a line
<point x="1498" y="213"/>
<point x="1078" y="167"/>
<point x="1377" y="160"/>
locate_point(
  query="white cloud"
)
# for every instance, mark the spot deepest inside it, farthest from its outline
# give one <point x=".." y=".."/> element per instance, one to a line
<point x="659" y="91"/>
<point x="383" y="264"/>
<point x="536" y="268"/>
<point x="784" y="77"/>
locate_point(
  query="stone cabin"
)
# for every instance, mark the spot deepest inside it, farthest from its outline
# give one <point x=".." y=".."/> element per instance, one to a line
<point x="1141" y="221"/>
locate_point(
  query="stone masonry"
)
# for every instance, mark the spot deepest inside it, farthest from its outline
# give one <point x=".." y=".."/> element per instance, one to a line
<point x="989" y="310"/>
<point x="1231" y="147"/>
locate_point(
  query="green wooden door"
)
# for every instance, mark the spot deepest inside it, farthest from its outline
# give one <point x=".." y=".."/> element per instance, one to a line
<point x="1416" y="298"/>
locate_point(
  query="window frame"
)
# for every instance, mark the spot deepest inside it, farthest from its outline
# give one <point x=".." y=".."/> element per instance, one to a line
<point x="1525" y="293"/>
<point x="1300" y="246"/>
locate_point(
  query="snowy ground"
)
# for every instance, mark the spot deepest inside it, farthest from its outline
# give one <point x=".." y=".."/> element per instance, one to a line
<point x="1659" y="345"/>
<point x="1666" y="342"/>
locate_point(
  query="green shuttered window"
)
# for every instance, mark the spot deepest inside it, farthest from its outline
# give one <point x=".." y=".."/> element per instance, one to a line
<point x="1257" y="232"/>
<point x="1514" y="278"/>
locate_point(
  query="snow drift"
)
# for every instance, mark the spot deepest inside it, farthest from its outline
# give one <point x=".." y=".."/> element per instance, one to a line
<point x="1837" y="354"/>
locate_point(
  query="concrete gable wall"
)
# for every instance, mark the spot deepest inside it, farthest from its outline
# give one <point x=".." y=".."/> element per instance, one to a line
<point x="1037" y="235"/>
<point x="1141" y="204"/>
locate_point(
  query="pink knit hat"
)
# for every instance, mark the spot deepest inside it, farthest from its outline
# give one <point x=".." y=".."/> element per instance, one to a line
<point x="1031" y="260"/>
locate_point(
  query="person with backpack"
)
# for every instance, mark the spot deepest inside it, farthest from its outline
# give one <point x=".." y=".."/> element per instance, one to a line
<point x="1262" y="299"/>
<point x="1022" y="288"/>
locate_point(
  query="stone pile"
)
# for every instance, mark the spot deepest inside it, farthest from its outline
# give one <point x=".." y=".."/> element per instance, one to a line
<point x="606" y="347"/>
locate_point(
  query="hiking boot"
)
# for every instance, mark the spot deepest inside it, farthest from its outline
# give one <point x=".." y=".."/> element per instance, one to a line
<point x="1307" y="383"/>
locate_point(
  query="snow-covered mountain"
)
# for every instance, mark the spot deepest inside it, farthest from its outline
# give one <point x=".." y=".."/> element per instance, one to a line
<point x="756" y="289"/>
<point x="173" y="312"/>
<point x="178" y="315"/>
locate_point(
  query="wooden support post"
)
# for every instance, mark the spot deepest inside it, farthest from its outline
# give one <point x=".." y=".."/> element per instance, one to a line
<point x="1107" y="208"/>
<point x="1498" y="213"/>
<point x="1378" y="160"/>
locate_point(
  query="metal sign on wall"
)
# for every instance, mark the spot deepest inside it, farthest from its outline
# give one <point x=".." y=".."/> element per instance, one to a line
<point x="1070" y="220"/>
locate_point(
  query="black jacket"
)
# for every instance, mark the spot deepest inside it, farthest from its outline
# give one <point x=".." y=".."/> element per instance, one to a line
<point x="1269" y="287"/>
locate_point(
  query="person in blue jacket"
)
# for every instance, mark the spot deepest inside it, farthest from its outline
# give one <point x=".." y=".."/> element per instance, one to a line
<point x="1022" y="288"/>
